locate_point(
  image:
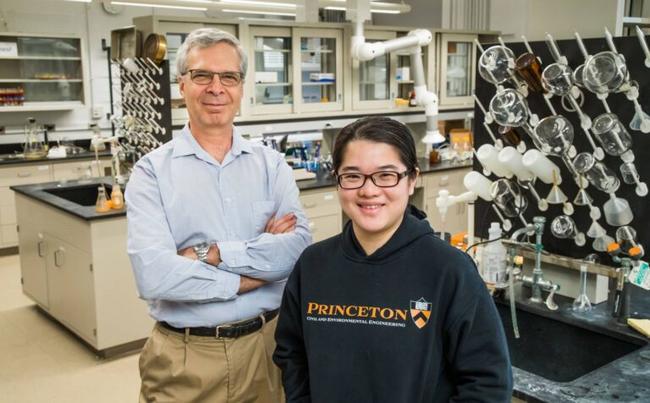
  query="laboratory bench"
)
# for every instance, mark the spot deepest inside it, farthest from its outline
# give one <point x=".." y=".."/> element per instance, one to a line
<point x="567" y="356"/>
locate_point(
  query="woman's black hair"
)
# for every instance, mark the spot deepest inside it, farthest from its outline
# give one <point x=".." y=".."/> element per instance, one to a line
<point x="379" y="129"/>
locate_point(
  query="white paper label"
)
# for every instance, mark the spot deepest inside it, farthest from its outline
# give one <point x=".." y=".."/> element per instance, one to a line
<point x="8" y="49"/>
<point x="640" y="275"/>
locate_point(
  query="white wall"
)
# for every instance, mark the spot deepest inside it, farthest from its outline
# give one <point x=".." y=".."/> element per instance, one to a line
<point x="90" y="22"/>
<point x="561" y="18"/>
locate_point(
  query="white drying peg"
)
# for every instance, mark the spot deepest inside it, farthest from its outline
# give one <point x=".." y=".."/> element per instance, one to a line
<point x="644" y="45"/>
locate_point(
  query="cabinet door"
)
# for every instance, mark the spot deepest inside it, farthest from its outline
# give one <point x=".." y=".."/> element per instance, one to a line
<point x="33" y="250"/>
<point x="317" y="58"/>
<point x="40" y="72"/>
<point x="71" y="286"/>
<point x="373" y="81"/>
<point x="457" y="61"/>
<point x="272" y="76"/>
<point x="324" y="227"/>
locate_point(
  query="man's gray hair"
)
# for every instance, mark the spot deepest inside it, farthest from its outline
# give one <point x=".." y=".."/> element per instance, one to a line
<point x="204" y="38"/>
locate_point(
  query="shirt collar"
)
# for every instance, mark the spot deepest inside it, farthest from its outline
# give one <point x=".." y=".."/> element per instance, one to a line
<point x="187" y="144"/>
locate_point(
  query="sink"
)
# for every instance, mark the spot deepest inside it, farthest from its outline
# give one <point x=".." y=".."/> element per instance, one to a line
<point x="559" y="351"/>
<point x="84" y="195"/>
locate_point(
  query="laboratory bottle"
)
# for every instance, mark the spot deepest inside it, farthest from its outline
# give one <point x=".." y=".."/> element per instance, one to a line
<point x="33" y="147"/>
<point x="494" y="258"/>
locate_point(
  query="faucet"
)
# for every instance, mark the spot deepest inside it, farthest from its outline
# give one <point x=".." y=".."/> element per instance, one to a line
<point x="537" y="281"/>
<point x="621" y="309"/>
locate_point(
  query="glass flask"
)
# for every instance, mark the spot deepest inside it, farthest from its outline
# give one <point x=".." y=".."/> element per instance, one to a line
<point x="563" y="227"/>
<point x="508" y="196"/>
<point x="605" y="73"/>
<point x="596" y="173"/>
<point x="554" y="135"/>
<point x="529" y="69"/>
<point x="117" y="198"/>
<point x="494" y="64"/>
<point x="557" y="79"/>
<point x="613" y="137"/>
<point x="33" y="147"/>
<point x="102" y="205"/>
<point x="509" y="108"/>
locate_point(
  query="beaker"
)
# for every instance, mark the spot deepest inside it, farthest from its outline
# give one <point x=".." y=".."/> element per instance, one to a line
<point x="613" y="137"/>
<point x="597" y="173"/>
<point x="508" y="197"/>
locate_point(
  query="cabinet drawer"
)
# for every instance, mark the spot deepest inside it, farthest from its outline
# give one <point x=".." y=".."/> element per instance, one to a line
<point x="24" y="175"/>
<point x="320" y="204"/>
<point x="324" y="227"/>
<point x="78" y="170"/>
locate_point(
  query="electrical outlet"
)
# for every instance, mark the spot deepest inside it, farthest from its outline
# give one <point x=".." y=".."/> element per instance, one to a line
<point x="97" y="112"/>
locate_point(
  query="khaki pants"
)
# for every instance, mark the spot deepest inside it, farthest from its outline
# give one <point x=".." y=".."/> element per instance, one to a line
<point x="176" y="368"/>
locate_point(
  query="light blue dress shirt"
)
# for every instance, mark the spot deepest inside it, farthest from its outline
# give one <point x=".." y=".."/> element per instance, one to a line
<point x="179" y="196"/>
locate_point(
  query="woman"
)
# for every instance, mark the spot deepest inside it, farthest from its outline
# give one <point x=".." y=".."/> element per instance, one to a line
<point x="386" y="311"/>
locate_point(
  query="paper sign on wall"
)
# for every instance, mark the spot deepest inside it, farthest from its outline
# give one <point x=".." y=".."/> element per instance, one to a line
<point x="8" y="49"/>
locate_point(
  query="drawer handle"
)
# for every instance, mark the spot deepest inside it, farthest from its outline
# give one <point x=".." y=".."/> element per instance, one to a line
<point x="328" y="197"/>
<point x="310" y="205"/>
<point x="24" y="174"/>
<point x="59" y="257"/>
<point x="41" y="248"/>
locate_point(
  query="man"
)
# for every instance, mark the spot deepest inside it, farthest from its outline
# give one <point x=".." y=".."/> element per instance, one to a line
<point x="215" y="227"/>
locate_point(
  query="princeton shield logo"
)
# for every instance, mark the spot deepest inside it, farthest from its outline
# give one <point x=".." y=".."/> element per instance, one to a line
<point x="420" y="312"/>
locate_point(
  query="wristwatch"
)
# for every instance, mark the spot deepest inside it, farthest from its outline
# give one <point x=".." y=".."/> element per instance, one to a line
<point x="201" y="251"/>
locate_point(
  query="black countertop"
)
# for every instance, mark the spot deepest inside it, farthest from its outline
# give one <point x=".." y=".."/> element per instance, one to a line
<point x="625" y="379"/>
<point x="325" y="180"/>
<point x="10" y="159"/>
<point x="39" y="191"/>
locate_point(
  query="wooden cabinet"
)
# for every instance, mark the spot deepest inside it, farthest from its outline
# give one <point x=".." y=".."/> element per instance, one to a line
<point x="323" y="212"/>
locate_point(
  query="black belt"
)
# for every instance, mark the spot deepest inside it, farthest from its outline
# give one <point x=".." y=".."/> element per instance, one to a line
<point x="231" y="331"/>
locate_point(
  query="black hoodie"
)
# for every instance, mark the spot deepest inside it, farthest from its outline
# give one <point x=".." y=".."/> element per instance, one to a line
<point x="413" y="322"/>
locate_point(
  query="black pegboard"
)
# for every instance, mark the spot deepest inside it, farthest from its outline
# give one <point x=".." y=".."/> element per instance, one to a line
<point x="631" y="49"/>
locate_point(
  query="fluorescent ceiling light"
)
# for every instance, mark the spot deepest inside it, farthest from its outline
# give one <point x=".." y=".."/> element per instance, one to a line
<point x="79" y="1"/>
<point x="259" y="3"/>
<point x="124" y="3"/>
<point x="226" y="10"/>
<point x="335" y="8"/>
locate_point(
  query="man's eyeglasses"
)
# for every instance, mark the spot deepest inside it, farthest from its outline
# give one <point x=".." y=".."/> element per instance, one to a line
<point x="382" y="179"/>
<point x="205" y="77"/>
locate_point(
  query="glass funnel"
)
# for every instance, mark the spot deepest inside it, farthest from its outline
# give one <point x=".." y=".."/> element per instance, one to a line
<point x="563" y="227"/>
<point x="494" y="64"/>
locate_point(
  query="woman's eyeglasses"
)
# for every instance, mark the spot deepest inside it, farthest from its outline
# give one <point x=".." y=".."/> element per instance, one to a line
<point x="382" y="179"/>
<point x="205" y="77"/>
